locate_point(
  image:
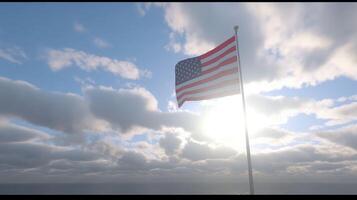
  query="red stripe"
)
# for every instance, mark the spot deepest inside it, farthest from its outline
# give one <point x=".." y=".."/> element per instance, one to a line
<point x="211" y="78"/>
<point x="221" y="46"/>
<point x="210" y="96"/>
<point x="226" y="62"/>
<point x="230" y="50"/>
<point x="211" y="87"/>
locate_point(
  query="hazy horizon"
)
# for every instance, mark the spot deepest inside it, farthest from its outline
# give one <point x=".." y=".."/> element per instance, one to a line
<point x="170" y="188"/>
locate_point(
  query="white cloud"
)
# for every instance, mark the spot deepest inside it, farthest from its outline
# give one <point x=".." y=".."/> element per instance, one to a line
<point x="346" y="136"/>
<point x="130" y="109"/>
<point x="78" y="27"/>
<point x="59" y="59"/>
<point x="84" y="82"/>
<point x="125" y="109"/>
<point x="174" y="153"/>
<point x="64" y="112"/>
<point x="14" y="55"/>
<point x="99" y="42"/>
<point x="172" y="106"/>
<point x="281" y="45"/>
<point x="173" y="44"/>
<point x="339" y="114"/>
<point x="145" y="73"/>
<point x="351" y="98"/>
<point x="14" y="133"/>
<point x="143" y="8"/>
<point x="279" y="109"/>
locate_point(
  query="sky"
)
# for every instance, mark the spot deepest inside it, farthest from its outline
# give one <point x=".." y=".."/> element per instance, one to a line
<point x="87" y="93"/>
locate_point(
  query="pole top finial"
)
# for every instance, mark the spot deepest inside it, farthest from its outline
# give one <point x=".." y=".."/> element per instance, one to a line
<point x="236" y="28"/>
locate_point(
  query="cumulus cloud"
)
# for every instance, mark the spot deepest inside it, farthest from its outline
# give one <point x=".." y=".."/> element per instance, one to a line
<point x="15" y="133"/>
<point x="303" y="160"/>
<point x="67" y="57"/>
<point x="170" y="143"/>
<point x="346" y="136"/>
<point x="128" y="109"/>
<point x="201" y="151"/>
<point x="279" y="109"/>
<point x="281" y="45"/>
<point x="194" y="160"/>
<point x="340" y="114"/>
<point x="30" y="155"/>
<point x="273" y="137"/>
<point x="187" y="156"/>
<point x="64" y="112"/>
<point x="100" y="107"/>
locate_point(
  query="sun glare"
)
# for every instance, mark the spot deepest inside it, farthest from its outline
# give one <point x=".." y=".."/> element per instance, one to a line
<point x="224" y="124"/>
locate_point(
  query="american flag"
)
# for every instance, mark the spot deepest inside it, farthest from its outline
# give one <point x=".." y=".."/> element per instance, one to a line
<point x="211" y="75"/>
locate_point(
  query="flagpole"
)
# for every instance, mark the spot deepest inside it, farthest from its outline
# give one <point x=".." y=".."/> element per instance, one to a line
<point x="251" y="185"/>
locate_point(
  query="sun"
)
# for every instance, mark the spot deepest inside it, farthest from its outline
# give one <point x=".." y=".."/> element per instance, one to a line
<point x="224" y="124"/>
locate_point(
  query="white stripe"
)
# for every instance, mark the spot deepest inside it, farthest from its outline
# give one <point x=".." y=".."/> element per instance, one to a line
<point x="230" y="55"/>
<point x="208" y="91"/>
<point x="218" y="53"/>
<point x="223" y="68"/>
<point x="210" y="83"/>
<point x="225" y="89"/>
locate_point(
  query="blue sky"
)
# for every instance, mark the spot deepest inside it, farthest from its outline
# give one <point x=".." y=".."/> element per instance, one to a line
<point x="44" y="22"/>
<point x="118" y="60"/>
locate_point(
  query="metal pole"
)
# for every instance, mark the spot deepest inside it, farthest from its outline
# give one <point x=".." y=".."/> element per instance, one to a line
<point x="251" y="185"/>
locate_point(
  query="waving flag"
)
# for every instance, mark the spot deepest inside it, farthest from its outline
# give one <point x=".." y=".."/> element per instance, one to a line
<point x="211" y="75"/>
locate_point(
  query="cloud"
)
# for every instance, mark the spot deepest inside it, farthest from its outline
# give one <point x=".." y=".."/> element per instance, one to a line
<point x="101" y="43"/>
<point x="178" y="153"/>
<point x="274" y="137"/>
<point x="85" y="81"/>
<point x="31" y="155"/>
<point x="14" y="133"/>
<point x="279" y="109"/>
<point x="173" y="44"/>
<point x="196" y="160"/>
<point x="196" y="151"/>
<point x="99" y="109"/>
<point x="130" y="108"/>
<point x="64" y="112"/>
<point x="14" y="55"/>
<point x="59" y="59"/>
<point x="78" y="27"/>
<point x="136" y="109"/>
<point x="346" y="136"/>
<point x="124" y="108"/>
<point x="275" y="133"/>
<point x="281" y="45"/>
<point x="142" y="8"/>
<point x="302" y="160"/>
<point x="170" y="143"/>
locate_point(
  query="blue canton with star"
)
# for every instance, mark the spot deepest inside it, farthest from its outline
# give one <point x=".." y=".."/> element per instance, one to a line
<point x="187" y="69"/>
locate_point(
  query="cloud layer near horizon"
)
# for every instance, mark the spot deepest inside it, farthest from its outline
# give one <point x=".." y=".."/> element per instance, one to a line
<point x="175" y="147"/>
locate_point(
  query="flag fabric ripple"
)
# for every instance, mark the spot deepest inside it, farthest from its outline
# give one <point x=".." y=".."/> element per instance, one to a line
<point x="211" y="75"/>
